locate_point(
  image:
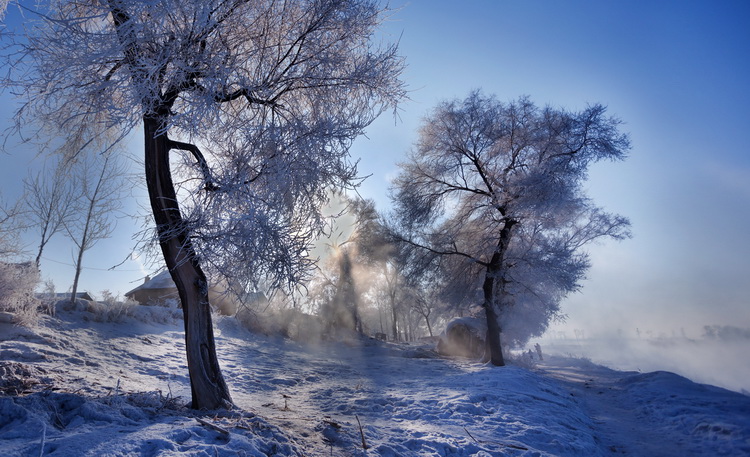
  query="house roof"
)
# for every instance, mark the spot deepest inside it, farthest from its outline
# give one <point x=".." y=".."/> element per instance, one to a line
<point x="64" y="295"/>
<point x="161" y="281"/>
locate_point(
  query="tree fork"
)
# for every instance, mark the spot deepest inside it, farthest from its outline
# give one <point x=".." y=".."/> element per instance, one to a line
<point x="209" y="390"/>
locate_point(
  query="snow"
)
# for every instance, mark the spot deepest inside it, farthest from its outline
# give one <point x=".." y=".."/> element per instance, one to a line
<point x="94" y="383"/>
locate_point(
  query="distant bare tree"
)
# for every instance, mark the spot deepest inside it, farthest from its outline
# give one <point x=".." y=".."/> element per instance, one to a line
<point x="49" y="199"/>
<point x="97" y="182"/>
<point x="427" y="301"/>
<point x="392" y="288"/>
<point x="499" y="187"/>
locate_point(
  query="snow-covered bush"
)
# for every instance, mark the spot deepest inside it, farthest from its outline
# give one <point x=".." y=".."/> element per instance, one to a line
<point x="287" y="322"/>
<point x="111" y="311"/>
<point x="168" y="312"/>
<point x="523" y="359"/>
<point x="119" y="311"/>
<point x="17" y="284"/>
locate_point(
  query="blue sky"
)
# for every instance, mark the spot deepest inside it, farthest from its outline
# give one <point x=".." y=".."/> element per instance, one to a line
<point x="678" y="75"/>
<point x="676" y="72"/>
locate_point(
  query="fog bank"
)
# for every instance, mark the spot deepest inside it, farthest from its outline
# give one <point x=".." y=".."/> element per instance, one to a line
<point x="716" y="361"/>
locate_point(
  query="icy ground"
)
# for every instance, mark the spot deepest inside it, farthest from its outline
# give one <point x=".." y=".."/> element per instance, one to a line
<point x="81" y="387"/>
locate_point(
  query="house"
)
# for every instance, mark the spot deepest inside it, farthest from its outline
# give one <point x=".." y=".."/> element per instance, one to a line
<point x="160" y="289"/>
<point x="154" y="291"/>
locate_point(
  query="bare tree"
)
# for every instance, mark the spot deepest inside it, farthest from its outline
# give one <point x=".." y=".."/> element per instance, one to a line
<point x="427" y="298"/>
<point x="49" y="199"/>
<point x="263" y="97"/>
<point x="392" y="287"/>
<point x="343" y="281"/>
<point x="98" y="186"/>
<point x="499" y="185"/>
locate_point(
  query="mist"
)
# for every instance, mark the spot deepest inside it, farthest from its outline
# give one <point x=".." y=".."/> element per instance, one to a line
<point x="718" y="356"/>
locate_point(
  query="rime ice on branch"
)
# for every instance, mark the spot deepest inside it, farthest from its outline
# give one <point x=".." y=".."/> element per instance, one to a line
<point x="498" y="188"/>
<point x="262" y="99"/>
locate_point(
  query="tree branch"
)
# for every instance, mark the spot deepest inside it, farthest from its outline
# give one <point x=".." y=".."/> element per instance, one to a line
<point x="200" y="159"/>
<point x="455" y="250"/>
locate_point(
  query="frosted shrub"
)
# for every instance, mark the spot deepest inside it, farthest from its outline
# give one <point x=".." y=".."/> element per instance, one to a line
<point x="121" y="311"/>
<point x="289" y="323"/>
<point x="111" y="311"/>
<point x="17" y="284"/>
<point x="168" y="313"/>
<point x="253" y="321"/>
<point x="524" y="359"/>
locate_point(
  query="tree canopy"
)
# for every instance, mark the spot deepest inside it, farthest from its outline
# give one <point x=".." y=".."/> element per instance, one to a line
<point x="499" y="186"/>
<point x="263" y="98"/>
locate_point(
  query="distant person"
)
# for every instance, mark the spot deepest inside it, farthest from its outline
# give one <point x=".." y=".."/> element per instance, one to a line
<point x="538" y="351"/>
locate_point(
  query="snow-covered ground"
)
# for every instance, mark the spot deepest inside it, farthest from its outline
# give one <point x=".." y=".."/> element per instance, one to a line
<point x="82" y="387"/>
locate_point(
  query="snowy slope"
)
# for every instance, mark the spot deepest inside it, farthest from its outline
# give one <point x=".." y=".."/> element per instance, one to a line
<point x="89" y="388"/>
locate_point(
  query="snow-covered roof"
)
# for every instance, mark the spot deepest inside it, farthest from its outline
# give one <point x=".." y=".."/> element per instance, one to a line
<point x="161" y="281"/>
<point x="476" y="325"/>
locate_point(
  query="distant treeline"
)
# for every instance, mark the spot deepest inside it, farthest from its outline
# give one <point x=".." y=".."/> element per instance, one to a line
<point x="726" y="332"/>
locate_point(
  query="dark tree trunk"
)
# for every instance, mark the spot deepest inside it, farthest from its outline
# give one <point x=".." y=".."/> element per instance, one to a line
<point x="209" y="390"/>
<point x="494" y="278"/>
<point x="494" y="352"/>
<point x="346" y="312"/>
<point x="42" y="244"/>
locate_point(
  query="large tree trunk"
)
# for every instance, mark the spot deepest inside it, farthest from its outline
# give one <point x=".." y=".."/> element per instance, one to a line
<point x="493" y="279"/>
<point x="209" y="390"/>
<point x="494" y="352"/>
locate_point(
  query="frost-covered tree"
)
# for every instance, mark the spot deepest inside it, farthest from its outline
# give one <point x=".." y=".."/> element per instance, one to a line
<point x="499" y="185"/>
<point x="347" y="273"/>
<point x="97" y="183"/>
<point x="48" y="200"/>
<point x="263" y="98"/>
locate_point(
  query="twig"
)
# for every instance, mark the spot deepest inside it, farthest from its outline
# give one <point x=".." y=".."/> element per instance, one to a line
<point x="361" y="433"/>
<point x="44" y="436"/>
<point x="213" y="426"/>
<point x="512" y="446"/>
